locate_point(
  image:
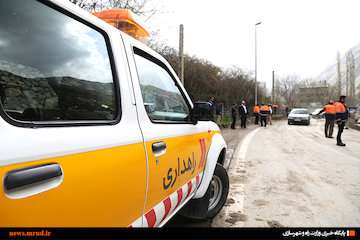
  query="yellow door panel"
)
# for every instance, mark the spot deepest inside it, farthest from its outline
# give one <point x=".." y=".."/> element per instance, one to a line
<point x="184" y="159"/>
<point x="102" y="188"/>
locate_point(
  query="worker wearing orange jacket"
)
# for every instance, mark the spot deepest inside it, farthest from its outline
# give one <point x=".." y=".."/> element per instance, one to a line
<point x="256" y="112"/>
<point x="264" y="112"/>
<point x="342" y="115"/>
<point x="330" y="116"/>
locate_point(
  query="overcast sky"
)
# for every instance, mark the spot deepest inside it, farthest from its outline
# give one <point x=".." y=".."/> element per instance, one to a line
<point x="296" y="36"/>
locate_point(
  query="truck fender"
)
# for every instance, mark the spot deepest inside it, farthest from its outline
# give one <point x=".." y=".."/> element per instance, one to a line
<point x="217" y="145"/>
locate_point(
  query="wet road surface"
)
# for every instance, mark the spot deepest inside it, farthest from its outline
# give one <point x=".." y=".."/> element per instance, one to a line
<point x="293" y="176"/>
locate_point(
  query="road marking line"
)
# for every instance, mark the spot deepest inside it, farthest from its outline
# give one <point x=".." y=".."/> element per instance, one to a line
<point x="241" y="150"/>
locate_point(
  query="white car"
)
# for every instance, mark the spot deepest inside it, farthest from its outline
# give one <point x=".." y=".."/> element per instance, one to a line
<point x="357" y="115"/>
<point x="299" y="116"/>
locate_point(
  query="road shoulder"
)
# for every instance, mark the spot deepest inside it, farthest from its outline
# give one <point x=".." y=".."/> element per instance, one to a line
<point x="232" y="214"/>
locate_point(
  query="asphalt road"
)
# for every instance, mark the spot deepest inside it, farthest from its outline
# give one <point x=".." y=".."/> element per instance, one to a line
<point x="293" y="176"/>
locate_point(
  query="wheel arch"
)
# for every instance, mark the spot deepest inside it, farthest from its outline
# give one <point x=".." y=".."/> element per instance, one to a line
<point x="221" y="158"/>
<point x="216" y="154"/>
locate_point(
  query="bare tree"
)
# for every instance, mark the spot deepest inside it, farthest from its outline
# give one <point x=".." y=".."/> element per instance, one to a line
<point x="85" y="4"/>
<point x="138" y="7"/>
<point x="289" y="89"/>
<point x="204" y="79"/>
<point x="350" y="77"/>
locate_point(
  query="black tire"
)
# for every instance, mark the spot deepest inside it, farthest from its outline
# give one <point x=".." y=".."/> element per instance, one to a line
<point x="289" y="123"/>
<point x="219" y="190"/>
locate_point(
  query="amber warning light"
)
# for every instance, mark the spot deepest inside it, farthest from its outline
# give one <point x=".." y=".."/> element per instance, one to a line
<point x="351" y="233"/>
<point x="124" y="20"/>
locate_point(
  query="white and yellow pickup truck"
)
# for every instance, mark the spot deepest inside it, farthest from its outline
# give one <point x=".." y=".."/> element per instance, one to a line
<point x="96" y="128"/>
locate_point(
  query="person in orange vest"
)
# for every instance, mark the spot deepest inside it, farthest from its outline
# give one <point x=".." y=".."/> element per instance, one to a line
<point x="330" y="115"/>
<point x="256" y="112"/>
<point x="342" y="115"/>
<point x="264" y="112"/>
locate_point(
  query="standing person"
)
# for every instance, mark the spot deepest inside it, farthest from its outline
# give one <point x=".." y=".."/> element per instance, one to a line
<point x="243" y="114"/>
<point x="341" y="118"/>
<point x="270" y="114"/>
<point x="256" y="112"/>
<point x="211" y="100"/>
<point x="212" y="109"/>
<point x="233" y="115"/>
<point x="218" y="112"/>
<point x="330" y="115"/>
<point x="264" y="112"/>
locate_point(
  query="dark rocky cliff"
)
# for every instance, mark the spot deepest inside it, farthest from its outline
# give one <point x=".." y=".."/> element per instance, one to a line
<point x="60" y="98"/>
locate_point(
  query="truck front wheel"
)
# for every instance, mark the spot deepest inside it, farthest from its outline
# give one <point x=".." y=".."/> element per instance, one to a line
<point x="219" y="189"/>
<point x="214" y="199"/>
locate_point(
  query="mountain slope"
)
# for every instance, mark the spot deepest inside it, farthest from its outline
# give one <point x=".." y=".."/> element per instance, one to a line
<point x="330" y="73"/>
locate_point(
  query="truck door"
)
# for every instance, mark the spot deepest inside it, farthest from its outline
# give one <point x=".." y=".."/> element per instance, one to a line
<point x="176" y="148"/>
<point x="72" y="153"/>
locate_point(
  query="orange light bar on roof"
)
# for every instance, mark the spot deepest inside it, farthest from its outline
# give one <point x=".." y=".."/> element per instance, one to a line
<point x="124" y="20"/>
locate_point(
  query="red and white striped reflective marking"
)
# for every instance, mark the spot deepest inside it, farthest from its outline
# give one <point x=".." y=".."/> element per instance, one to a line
<point x="161" y="211"/>
<point x="203" y="153"/>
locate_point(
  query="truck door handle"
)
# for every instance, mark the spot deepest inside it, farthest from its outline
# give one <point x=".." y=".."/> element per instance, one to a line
<point x="159" y="148"/>
<point x="26" y="178"/>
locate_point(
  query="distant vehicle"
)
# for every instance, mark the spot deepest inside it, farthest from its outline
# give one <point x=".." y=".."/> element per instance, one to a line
<point x="357" y="115"/>
<point x="315" y="113"/>
<point x="299" y="115"/>
<point x="352" y="110"/>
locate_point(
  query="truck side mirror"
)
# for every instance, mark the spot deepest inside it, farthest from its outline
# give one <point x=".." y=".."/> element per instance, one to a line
<point x="149" y="107"/>
<point x="202" y="111"/>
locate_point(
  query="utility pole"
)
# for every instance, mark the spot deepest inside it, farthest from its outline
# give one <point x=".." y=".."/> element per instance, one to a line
<point x="273" y="88"/>
<point x="347" y="75"/>
<point x="256" y="85"/>
<point x="338" y="75"/>
<point x="181" y="54"/>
